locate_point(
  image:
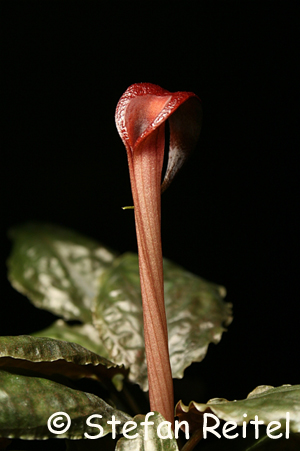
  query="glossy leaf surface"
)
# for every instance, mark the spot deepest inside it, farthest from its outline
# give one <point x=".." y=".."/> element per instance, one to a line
<point x="153" y="442"/>
<point x="28" y="402"/>
<point x="268" y="403"/>
<point x="117" y="332"/>
<point x="57" y="269"/>
<point x="85" y="335"/>
<point x="118" y="317"/>
<point x="196" y="315"/>
<point x="46" y="356"/>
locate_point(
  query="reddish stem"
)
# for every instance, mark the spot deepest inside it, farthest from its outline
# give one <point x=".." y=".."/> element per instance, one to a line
<point x="145" y="165"/>
<point x="140" y="117"/>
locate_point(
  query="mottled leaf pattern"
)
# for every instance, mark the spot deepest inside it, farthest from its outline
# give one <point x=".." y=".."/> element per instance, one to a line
<point x="85" y="335"/>
<point x="47" y="356"/>
<point x="196" y="315"/>
<point x="57" y="269"/>
<point x="28" y="402"/>
<point x="268" y="403"/>
<point x="118" y="317"/>
<point x="72" y="276"/>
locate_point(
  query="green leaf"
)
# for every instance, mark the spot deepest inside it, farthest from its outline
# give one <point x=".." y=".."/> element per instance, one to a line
<point x="118" y="317"/>
<point x="268" y="403"/>
<point x="57" y="269"/>
<point x="28" y="402"/>
<point x="46" y="356"/>
<point x="85" y="335"/>
<point x="196" y="315"/>
<point x="151" y="441"/>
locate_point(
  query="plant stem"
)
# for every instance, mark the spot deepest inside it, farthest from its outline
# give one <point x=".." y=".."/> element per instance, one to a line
<point x="192" y="442"/>
<point x="145" y="173"/>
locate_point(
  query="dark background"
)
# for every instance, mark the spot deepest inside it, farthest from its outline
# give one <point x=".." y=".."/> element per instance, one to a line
<point x="230" y="216"/>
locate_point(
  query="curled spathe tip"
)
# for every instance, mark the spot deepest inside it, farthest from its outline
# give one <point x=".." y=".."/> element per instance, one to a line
<point x="144" y="107"/>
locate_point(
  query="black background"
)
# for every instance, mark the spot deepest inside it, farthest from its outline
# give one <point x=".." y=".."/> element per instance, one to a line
<point x="230" y="216"/>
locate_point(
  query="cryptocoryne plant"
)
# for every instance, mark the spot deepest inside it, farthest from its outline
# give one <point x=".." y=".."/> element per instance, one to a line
<point x="127" y="320"/>
<point x="140" y="118"/>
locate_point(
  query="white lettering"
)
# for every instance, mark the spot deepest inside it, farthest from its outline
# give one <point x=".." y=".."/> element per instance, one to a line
<point x="127" y="429"/>
<point x="164" y="429"/>
<point x="169" y="429"/>
<point x="270" y="429"/>
<point x="88" y="422"/>
<point x="113" y="422"/>
<point x="244" y="426"/>
<point x="287" y="425"/>
<point x="146" y="423"/>
<point x="178" y="425"/>
<point x="225" y="429"/>
<point x="210" y="428"/>
<point x="256" y="423"/>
